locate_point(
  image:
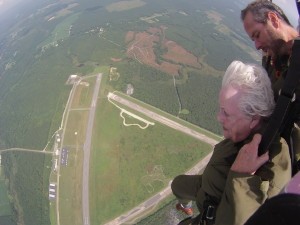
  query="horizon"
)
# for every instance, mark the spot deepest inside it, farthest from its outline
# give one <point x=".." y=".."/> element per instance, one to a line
<point x="288" y="6"/>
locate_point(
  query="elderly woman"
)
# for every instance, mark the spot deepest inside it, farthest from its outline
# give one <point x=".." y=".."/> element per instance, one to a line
<point x="231" y="187"/>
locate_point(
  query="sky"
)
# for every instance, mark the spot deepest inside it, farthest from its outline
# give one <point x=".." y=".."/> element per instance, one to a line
<point x="290" y="9"/>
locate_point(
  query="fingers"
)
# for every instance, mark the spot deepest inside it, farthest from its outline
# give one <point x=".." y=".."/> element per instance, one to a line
<point x="254" y="148"/>
<point x="247" y="160"/>
<point x="263" y="158"/>
<point x="256" y="140"/>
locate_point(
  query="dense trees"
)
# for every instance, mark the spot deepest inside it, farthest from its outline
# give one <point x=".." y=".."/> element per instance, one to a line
<point x="29" y="185"/>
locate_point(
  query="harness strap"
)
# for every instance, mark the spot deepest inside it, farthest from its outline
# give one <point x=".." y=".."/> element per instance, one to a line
<point x="279" y="119"/>
<point x="210" y="205"/>
<point x="298" y="6"/>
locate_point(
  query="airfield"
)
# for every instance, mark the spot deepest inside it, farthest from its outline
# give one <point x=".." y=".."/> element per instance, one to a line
<point x="73" y="145"/>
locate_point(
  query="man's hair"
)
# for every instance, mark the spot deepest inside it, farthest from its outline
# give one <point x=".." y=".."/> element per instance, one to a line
<point x="257" y="95"/>
<point x="260" y="10"/>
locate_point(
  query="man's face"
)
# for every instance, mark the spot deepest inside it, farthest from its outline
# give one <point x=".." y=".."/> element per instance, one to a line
<point x="265" y="36"/>
<point x="236" y="125"/>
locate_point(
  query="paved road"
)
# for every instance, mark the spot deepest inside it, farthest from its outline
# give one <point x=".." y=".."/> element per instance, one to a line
<point x="154" y="200"/>
<point x="26" y="150"/>
<point x="86" y="157"/>
<point x="63" y="128"/>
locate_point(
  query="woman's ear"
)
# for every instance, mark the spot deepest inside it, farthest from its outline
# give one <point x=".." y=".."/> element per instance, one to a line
<point x="255" y="121"/>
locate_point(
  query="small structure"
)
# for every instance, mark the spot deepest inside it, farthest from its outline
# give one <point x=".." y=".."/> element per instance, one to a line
<point x="55" y="165"/>
<point x="64" y="157"/>
<point x="72" y="79"/>
<point x="86" y="84"/>
<point x="129" y="89"/>
<point x="57" y="138"/>
<point x="52" y="191"/>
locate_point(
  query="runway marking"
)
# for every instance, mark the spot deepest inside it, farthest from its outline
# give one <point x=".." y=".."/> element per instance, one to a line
<point x="147" y="123"/>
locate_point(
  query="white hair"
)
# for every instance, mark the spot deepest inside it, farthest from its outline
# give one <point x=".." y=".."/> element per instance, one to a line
<point x="257" y="95"/>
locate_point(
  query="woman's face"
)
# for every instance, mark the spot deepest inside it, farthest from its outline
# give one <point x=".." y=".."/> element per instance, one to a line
<point x="236" y="125"/>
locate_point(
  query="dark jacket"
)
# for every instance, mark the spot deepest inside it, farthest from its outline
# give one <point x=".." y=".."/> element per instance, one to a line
<point x="239" y="195"/>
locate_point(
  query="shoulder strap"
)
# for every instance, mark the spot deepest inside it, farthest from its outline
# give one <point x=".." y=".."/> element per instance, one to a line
<point x="298" y="7"/>
<point x="286" y="97"/>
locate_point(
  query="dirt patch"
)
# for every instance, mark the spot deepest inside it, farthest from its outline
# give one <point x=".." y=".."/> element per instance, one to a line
<point x="154" y="30"/>
<point x="141" y="48"/>
<point x="178" y="54"/>
<point x="129" y="37"/>
<point x="153" y="49"/>
<point x="124" y="5"/>
<point x="214" y="16"/>
<point x="116" y="59"/>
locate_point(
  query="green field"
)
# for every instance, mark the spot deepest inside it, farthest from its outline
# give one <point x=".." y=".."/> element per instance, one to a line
<point x="129" y="164"/>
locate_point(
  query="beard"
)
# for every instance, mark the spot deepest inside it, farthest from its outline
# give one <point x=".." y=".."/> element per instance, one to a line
<point x="279" y="51"/>
<point x="277" y="45"/>
<point x="278" y="48"/>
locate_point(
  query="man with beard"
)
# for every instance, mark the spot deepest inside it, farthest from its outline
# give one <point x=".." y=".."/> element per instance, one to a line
<point x="270" y="30"/>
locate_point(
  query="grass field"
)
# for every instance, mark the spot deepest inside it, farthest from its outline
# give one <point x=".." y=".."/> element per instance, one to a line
<point x="124" y="5"/>
<point x="128" y="164"/>
<point x="71" y="175"/>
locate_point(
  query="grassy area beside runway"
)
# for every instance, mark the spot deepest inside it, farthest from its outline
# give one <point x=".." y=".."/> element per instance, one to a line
<point x="129" y="164"/>
<point x="70" y="202"/>
<point x="170" y="116"/>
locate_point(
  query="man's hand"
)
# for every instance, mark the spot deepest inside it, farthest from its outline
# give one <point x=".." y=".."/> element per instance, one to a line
<point x="247" y="160"/>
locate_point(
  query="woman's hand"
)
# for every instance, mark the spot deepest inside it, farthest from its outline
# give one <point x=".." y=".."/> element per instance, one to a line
<point x="247" y="160"/>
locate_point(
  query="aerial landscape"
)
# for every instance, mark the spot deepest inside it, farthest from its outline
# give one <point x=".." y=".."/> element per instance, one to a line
<point x="103" y="103"/>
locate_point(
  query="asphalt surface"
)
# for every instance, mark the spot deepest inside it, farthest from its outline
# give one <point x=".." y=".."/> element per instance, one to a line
<point x="86" y="157"/>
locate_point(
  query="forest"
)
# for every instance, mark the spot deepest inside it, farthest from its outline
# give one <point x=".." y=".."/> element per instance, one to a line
<point x="29" y="186"/>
